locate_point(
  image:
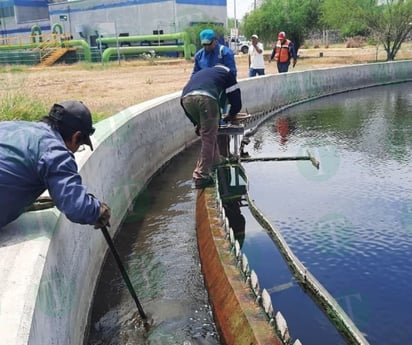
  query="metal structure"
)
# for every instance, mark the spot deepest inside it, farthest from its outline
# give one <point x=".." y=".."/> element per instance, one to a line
<point x="232" y="186"/>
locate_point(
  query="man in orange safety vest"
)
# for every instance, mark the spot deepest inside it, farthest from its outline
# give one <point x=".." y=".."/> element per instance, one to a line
<point x="283" y="51"/>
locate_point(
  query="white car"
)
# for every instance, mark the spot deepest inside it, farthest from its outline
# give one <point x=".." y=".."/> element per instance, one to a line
<point x="243" y="47"/>
<point x="239" y="44"/>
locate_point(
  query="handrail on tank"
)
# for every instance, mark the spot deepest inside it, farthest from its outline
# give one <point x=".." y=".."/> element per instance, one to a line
<point x="187" y="46"/>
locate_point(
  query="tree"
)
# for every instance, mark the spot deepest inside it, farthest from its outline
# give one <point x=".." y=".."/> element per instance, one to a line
<point x="344" y="15"/>
<point x="295" y="17"/>
<point x="194" y="31"/>
<point x="389" y="21"/>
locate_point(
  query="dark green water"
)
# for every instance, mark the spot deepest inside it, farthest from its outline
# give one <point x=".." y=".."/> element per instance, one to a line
<point x="159" y="248"/>
<point x="350" y="223"/>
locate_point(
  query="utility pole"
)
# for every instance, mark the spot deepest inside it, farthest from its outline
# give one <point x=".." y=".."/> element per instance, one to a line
<point x="234" y="12"/>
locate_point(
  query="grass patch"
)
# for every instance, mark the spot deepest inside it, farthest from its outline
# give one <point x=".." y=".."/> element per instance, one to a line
<point x="98" y="116"/>
<point x="13" y="68"/>
<point x="90" y="66"/>
<point x="15" y="106"/>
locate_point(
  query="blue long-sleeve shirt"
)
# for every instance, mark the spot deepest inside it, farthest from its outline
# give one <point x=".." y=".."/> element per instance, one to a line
<point x="220" y="55"/>
<point x="33" y="158"/>
<point x="219" y="83"/>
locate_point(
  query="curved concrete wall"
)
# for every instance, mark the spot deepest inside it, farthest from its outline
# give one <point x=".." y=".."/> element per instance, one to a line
<point x="49" y="266"/>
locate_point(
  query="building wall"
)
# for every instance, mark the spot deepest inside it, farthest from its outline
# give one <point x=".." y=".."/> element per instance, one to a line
<point x="29" y="11"/>
<point x="84" y="18"/>
<point x="134" y="17"/>
<point x="18" y="16"/>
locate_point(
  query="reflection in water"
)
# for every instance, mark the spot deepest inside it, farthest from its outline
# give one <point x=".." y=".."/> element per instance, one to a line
<point x="285" y="126"/>
<point x="236" y="219"/>
<point x="312" y="324"/>
<point x="347" y="221"/>
<point x="232" y="189"/>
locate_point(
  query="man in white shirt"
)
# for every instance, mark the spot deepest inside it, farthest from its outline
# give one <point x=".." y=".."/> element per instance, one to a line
<point x="256" y="60"/>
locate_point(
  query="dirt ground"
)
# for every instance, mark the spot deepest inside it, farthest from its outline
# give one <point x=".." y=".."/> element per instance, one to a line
<point x="108" y="89"/>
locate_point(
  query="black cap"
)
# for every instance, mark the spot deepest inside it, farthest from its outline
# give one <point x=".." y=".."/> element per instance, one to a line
<point x="76" y="115"/>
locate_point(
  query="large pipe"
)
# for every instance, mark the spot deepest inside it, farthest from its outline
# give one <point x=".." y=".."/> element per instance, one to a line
<point x="57" y="26"/>
<point x="85" y="46"/>
<point x="36" y="29"/>
<point x="175" y="36"/>
<point x="188" y="48"/>
<point x="20" y="46"/>
<point x="140" y="49"/>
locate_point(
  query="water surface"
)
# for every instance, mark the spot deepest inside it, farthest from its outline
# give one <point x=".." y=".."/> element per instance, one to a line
<point x="159" y="248"/>
<point x="350" y="222"/>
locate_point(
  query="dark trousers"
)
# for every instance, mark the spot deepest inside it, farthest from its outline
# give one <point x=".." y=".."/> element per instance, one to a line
<point x="256" y="71"/>
<point x="283" y="66"/>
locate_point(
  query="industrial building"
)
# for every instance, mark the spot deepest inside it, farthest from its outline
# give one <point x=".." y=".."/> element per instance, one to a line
<point x="90" y="19"/>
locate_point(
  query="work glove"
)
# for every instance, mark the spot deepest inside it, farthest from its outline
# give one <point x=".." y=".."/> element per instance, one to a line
<point x="104" y="216"/>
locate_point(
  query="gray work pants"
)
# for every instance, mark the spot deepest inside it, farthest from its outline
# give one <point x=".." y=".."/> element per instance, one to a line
<point x="205" y="112"/>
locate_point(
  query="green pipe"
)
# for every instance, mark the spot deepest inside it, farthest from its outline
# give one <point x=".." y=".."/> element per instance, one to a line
<point x="20" y="46"/>
<point x="141" y="49"/>
<point x="36" y="29"/>
<point x="188" y="48"/>
<point x="175" y="36"/>
<point x="55" y="27"/>
<point x="84" y="44"/>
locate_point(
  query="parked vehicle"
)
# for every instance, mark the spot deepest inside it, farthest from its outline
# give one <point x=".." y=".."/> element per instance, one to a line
<point x="239" y="44"/>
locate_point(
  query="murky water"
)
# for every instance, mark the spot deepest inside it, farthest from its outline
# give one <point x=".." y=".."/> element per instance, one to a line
<point x="159" y="248"/>
<point x="350" y="223"/>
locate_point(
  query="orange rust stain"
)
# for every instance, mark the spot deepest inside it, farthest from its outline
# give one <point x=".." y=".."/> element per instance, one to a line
<point x="239" y="320"/>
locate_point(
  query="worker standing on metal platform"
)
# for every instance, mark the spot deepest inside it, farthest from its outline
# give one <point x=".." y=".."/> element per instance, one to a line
<point x="210" y="55"/>
<point x="204" y="95"/>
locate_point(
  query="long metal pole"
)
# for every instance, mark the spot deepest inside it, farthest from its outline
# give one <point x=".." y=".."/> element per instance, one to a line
<point x="123" y="272"/>
<point x="234" y="13"/>
<point x="313" y="160"/>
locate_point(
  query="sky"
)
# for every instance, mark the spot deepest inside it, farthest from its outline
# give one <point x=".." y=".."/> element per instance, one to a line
<point x="242" y="7"/>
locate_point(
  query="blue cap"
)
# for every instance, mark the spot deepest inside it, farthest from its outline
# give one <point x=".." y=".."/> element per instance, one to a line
<point x="207" y="36"/>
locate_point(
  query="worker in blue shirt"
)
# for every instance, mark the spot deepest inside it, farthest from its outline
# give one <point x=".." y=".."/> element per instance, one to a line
<point x="35" y="156"/>
<point x="213" y="53"/>
<point x="210" y="55"/>
<point x="202" y="99"/>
